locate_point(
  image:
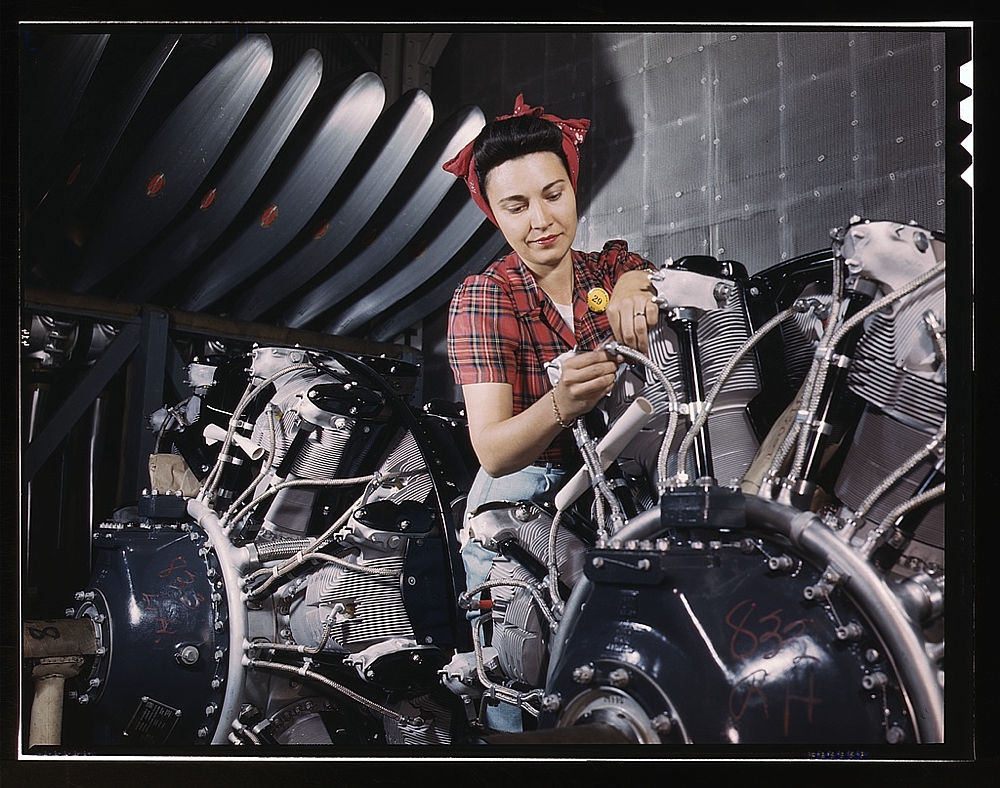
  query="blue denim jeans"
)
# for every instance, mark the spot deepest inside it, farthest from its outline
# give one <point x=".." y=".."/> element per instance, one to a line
<point x="519" y="486"/>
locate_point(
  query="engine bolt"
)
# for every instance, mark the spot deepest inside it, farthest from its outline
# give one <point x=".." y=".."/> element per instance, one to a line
<point x="524" y="513"/>
<point x="662" y="723"/>
<point x="873" y="680"/>
<point x="551" y="703"/>
<point x="583" y="674"/>
<point x="619" y="677"/>
<point x="851" y="631"/>
<point x="895" y="735"/>
<point x="780" y="562"/>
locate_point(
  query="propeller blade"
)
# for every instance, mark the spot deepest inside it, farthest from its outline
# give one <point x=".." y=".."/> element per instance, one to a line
<point x="177" y="160"/>
<point x="79" y="170"/>
<point x="53" y="88"/>
<point x="413" y="199"/>
<point x="308" y="183"/>
<point x="224" y="199"/>
<point x="485" y="245"/>
<point x="381" y="159"/>
<point x="462" y="218"/>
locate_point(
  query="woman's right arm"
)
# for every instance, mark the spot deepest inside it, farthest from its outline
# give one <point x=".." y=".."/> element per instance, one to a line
<point x="505" y="443"/>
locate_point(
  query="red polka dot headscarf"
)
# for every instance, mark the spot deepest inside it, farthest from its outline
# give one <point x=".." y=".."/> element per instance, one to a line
<point x="573" y="130"/>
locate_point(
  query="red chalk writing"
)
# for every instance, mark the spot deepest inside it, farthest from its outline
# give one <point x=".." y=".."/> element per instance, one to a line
<point x="177" y="589"/>
<point x="760" y="635"/>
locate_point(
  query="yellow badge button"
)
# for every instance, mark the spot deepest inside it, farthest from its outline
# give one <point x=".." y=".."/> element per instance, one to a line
<point x="598" y="299"/>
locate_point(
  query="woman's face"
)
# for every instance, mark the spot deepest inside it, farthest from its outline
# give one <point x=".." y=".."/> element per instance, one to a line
<point x="535" y="206"/>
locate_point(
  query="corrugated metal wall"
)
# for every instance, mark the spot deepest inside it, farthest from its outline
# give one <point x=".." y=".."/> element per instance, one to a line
<point x="741" y="144"/>
<point x="745" y="145"/>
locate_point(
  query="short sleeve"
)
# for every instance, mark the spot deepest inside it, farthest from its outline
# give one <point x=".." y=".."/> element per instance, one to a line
<point x="482" y="333"/>
<point x="615" y="259"/>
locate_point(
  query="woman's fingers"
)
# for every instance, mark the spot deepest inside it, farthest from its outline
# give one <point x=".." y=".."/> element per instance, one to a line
<point x="642" y="320"/>
<point x="631" y="321"/>
<point x="588" y="365"/>
<point x="585" y="378"/>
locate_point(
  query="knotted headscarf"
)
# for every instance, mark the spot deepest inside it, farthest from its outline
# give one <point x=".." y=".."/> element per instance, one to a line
<point x="573" y="130"/>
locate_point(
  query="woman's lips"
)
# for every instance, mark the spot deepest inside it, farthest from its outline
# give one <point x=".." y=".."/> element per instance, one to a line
<point x="548" y="240"/>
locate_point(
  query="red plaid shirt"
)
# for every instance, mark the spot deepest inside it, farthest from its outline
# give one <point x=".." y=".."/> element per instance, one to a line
<point x="503" y="328"/>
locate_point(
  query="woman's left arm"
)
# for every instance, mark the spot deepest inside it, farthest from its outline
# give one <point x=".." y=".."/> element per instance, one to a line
<point x="632" y="311"/>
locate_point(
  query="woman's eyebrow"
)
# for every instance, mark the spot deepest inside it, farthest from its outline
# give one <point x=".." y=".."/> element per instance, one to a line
<point x="522" y="198"/>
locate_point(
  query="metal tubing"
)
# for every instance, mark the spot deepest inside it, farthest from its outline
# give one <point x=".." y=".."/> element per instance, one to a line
<point x="628" y="425"/>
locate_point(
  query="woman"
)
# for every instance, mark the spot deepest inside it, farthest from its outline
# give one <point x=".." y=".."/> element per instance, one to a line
<point x="532" y="306"/>
<point x="529" y="309"/>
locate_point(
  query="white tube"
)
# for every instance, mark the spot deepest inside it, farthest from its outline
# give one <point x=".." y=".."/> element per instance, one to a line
<point x="635" y="417"/>
<point x="214" y="433"/>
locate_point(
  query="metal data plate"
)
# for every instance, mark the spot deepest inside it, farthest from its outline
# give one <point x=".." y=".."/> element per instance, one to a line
<point x="152" y="722"/>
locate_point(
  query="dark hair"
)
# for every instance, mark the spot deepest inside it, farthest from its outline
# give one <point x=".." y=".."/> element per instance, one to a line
<point x="511" y="138"/>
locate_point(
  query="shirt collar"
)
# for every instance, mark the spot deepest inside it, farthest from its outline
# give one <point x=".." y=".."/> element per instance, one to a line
<point x="530" y="303"/>
<point x="528" y="296"/>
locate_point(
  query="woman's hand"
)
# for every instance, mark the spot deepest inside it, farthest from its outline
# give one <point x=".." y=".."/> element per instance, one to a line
<point x="632" y="311"/>
<point x="584" y="378"/>
<point x="505" y="443"/>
